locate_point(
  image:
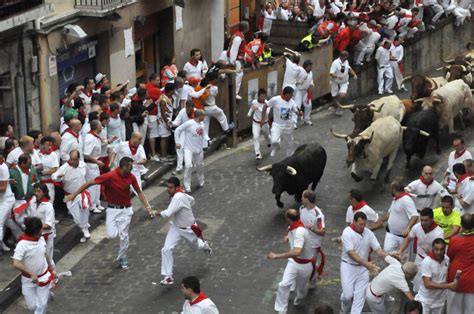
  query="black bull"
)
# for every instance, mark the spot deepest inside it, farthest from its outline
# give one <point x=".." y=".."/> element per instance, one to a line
<point x="295" y="173"/>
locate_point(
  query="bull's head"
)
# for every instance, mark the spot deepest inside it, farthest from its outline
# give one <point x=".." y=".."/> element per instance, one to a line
<point x="356" y="144"/>
<point x="457" y="71"/>
<point x="431" y="103"/>
<point x="363" y="115"/>
<point x="282" y="175"/>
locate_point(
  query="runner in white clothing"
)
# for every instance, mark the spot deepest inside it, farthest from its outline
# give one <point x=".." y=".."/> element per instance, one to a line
<point x="459" y="154"/>
<point x="423" y="234"/>
<point x="359" y="205"/>
<point x="339" y="79"/>
<point x="71" y="140"/>
<point x="259" y="112"/>
<point x="194" y="137"/>
<point x="185" y="114"/>
<point x="26" y="147"/>
<point x="433" y="291"/>
<point x="210" y="107"/>
<point x="7" y="201"/>
<point x="50" y="162"/>
<point x="92" y="151"/>
<point x="313" y="219"/>
<point x="425" y="189"/>
<point x="304" y="93"/>
<point x="282" y="128"/>
<point x="396" y="59"/>
<point x="394" y="276"/>
<point x="196" y="301"/>
<point x="301" y="263"/>
<point x="357" y="243"/>
<point x="182" y="226"/>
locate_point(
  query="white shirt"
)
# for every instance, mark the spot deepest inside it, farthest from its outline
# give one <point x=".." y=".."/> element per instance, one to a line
<point x="467" y="195"/>
<point x="205" y="306"/>
<point x="181" y="118"/>
<point x="382" y="56"/>
<point x="424" y="240"/>
<point x="282" y="111"/>
<point x="193" y="70"/>
<point x="372" y="39"/>
<point x="257" y="109"/>
<point x="123" y="150"/>
<point x="5" y="176"/>
<point x="372" y="216"/>
<point x="299" y="238"/>
<point x="194" y="136"/>
<point x="400" y="212"/>
<point x="292" y="71"/>
<point x="13" y="156"/>
<point x="452" y="161"/>
<point x="105" y="145"/>
<point x="211" y="99"/>
<point x="85" y="128"/>
<point x="114" y="128"/>
<point x="32" y="255"/>
<point x="68" y="143"/>
<point x="188" y="92"/>
<point x="437" y="272"/>
<point x="180" y="210"/>
<point x="424" y="196"/>
<point x="310" y="218"/>
<point x="45" y="212"/>
<point x="340" y="68"/>
<point x="92" y="145"/>
<point x="73" y="178"/>
<point x="397" y="52"/>
<point x="392" y="277"/>
<point x="234" y="49"/>
<point x="48" y="161"/>
<point x="360" y="243"/>
<point x="307" y="82"/>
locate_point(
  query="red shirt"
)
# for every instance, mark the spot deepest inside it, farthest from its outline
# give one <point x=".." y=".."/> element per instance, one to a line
<point x="117" y="187"/>
<point x="343" y="39"/>
<point x="461" y="256"/>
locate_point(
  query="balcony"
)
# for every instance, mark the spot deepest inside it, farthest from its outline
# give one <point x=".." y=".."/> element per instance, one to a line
<point x="100" y="8"/>
<point x="14" y="13"/>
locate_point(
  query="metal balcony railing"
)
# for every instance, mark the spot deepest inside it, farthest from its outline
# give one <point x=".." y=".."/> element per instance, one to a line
<point x="101" y="5"/>
<point x="13" y="7"/>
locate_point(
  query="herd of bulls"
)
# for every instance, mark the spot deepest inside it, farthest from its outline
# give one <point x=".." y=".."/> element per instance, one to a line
<point x="381" y="126"/>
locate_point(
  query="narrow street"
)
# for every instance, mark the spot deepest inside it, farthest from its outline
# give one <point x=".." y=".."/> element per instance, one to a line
<point x="241" y="221"/>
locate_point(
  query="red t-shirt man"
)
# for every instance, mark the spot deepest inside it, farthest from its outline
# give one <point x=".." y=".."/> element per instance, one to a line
<point x="461" y="256"/>
<point x="117" y="187"/>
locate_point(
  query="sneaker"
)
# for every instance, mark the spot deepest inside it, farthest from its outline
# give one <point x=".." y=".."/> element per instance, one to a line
<point x="100" y="207"/>
<point x="308" y="122"/>
<point x="83" y="240"/>
<point x="56" y="221"/>
<point x="5" y="248"/>
<point x="86" y="233"/>
<point x="258" y="157"/>
<point x="207" y="249"/>
<point x="188" y="190"/>
<point x="167" y="281"/>
<point x="331" y="109"/>
<point x="95" y="210"/>
<point x="313" y="283"/>
<point x="297" y="302"/>
<point x="389" y="91"/>
<point x="155" y="158"/>
<point x="338" y="113"/>
<point x="176" y="172"/>
<point x="231" y="125"/>
<point x="238" y="97"/>
<point x="124" y="263"/>
<point x="380" y="93"/>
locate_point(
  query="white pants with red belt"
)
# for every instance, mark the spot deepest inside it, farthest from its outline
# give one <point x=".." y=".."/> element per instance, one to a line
<point x="79" y="215"/>
<point x="258" y="129"/>
<point x="117" y="224"/>
<point x="379" y="304"/>
<point x="92" y="173"/>
<point x="354" y="282"/>
<point x="460" y="302"/>
<point x="173" y="237"/>
<point x="36" y="297"/>
<point x="297" y="274"/>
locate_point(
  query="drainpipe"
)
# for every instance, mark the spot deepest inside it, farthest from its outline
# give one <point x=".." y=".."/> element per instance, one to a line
<point x="42" y="86"/>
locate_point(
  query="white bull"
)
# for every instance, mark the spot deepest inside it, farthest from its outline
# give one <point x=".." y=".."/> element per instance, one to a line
<point x="448" y="101"/>
<point x="367" y="150"/>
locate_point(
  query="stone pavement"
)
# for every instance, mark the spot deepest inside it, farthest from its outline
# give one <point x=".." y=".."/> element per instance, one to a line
<point x="238" y="214"/>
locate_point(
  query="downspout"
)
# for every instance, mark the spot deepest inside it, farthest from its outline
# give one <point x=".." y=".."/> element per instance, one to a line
<point x="20" y="91"/>
<point x="42" y="86"/>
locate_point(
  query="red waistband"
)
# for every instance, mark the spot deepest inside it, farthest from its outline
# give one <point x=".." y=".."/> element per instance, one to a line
<point x="373" y="293"/>
<point x="28" y="275"/>
<point x="259" y="121"/>
<point x="302" y="260"/>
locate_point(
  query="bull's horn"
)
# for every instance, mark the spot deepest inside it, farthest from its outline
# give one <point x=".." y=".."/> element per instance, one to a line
<point x="342" y="106"/>
<point x="419" y="99"/>
<point x="424" y="133"/>
<point x="377" y="110"/>
<point x="338" y="135"/>
<point x="447" y="60"/>
<point x="291" y="171"/>
<point x="404" y="128"/>
<point x="408" y="78"/>
<point x="433" y="86"/>
<point x="368" y="138"/>
<point x="439" y="69"/>
<point x="265" y="168"/>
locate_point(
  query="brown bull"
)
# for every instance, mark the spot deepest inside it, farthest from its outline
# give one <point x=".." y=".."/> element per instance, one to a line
<point x="422" y="86"/>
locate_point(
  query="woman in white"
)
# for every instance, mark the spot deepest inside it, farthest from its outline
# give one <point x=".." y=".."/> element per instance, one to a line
<point x="37" y="272"/>
<point x="259" y="112"/>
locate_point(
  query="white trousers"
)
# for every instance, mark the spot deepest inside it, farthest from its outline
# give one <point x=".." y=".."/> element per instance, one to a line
<point x="298" y="98"/>
<point x="379" y="305"/>
<point x="51" y="192"/>
<point x="396" y="73"/>
<point x="392" y="242"/>
<point x="438" y="11"/>
<point x="407" y="32"/>
<point x="428" y="309"/>
<point x="448" y="8"/>
<point x="257" y="130"/>
<point x="354" y="282"/>
<point x="50" y="249"/>
<point x="117" y="223"/>
<point x="368" y="52"/>
<point x="79" y="215"/>
<point x="461" y="14"/>
<point x="418" y="279"/>
<point x="462" y="303"/>
<point x="36" y="297"/>
<point x="173" y="237"/>
<point x="280" y="133"/>
<point x="238" y="76"/>
<point x="218" y="114"/>
<point x="190" y="159"/>
<point x="180" y="154"/>
<point x="295" y="274"/>
<point x="307" y="106"/>
<point x="6" y="208"/>
<point x="384" y="78"/>
<point x="360" y="48"/>
<point x="92" y="173"/>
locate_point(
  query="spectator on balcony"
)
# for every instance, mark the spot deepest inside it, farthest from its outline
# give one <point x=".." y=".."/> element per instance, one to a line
<point x="371" y="40"/>
<point x="236" y="52"/>
<point x="254" y="50"/>
<point x="409" y="24"/>
<point x="283" y="12"/>
<point x="268" y="17"/>
<point x="461" y="12"/>
<point x="432" y="11"/>
<point x="346" y="37"/>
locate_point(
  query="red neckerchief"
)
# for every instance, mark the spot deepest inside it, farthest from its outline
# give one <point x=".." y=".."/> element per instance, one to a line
<point x="178" y="189"/>
<point x="191" y="116"/>
<point x="132" y="149"/>
<point x="433" y="257"/>
<point x="36" y="146"/>
<point x="430" y="228"/>
<point x="457" y="155"/>
<point x="402" y="194"/>
<point x="28" y="238"/>
<point x="54" y="147"/>
<point x="295" y="225"/>
<point x="87" y="93"/>
<point x="24" y="169"/>
<point x="194" y="63"/>
<point x="353" y="227"/>
<point x="422" y="179"/>
<point x="42" y="200"/>
<point x="1" y="162"/>
<point x="70" y="164"/>
<point x="76" y="135"/>
<point x="94" y="134"/>
<point x="462" y="177"/>
<point x="201" y="296"/>
<point x="47" y="152"/>
<point x="358" y="206"/>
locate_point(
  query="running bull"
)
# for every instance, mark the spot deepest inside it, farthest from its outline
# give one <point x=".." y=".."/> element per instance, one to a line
<point x="295" y="173"/>
<point x="367" y="150"/>
<point x="423" y="86"/>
